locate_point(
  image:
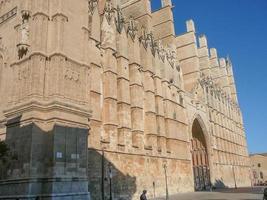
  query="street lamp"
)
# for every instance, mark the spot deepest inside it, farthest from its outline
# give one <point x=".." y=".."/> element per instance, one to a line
<point x="166" y="181"/>
<point x="110" y="180"/>
<point x="234" y="176"/>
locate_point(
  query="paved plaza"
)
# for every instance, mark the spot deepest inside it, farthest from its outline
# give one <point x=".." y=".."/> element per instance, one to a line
<point x="227" y="194"/>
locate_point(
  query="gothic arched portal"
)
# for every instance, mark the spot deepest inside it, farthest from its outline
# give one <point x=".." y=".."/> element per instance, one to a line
<point x="200" y="159"/>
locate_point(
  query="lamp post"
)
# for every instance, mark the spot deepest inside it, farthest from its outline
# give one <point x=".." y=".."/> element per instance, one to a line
<point x="110" y="180"/>
<point x="103" y="176"/>
<point x="234" y="176"/>
<point x="166" y="181"/>
<point x="154" y="189"/>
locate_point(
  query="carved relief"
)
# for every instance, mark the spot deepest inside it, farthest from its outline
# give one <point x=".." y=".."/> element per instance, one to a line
<point x="72" y="75"/>
<point x="161" y="51"/>
<point x="109" y="11"/>
<point x="23" y="46"/>
<point x="143" y="38"/>
<point x="171" y="56"/>
<point x="23" y="73"/>
<point x="4" y="51"/>
<point x="151" y="42"/>
<point x="119" y="20"/>
<point x="92" y="4"/>
<point x="132" y="28"/>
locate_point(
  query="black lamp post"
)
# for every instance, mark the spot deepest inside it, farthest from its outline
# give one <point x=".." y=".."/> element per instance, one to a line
<point x="166" y="181"/>
<point x="234" y="176"/>
<point x="110" y="180"/>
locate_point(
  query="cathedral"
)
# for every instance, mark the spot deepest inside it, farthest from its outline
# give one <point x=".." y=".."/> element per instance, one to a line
<point x="100" y="99"/>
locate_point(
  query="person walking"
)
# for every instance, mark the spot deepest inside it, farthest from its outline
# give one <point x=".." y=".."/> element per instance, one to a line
<point x="143" y="195"/>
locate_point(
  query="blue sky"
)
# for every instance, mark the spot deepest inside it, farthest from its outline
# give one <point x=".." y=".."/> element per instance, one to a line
<point x="237" y="28"/>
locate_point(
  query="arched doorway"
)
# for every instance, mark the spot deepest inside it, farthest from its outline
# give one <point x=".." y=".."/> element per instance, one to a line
<point x="200" y="159"/>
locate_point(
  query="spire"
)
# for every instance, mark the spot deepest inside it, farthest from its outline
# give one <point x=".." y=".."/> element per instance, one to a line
<point x="190" y="26"/>
<point x="203" y="41"/>
<point x="165" y="3"/>
<point x="228" y="61"/>
<point x="213" y="53"/>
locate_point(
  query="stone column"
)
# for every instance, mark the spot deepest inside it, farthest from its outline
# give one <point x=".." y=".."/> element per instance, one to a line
<point x="110" y="92"/>
<point x="149" y="97"/>
<point x="136" y="92"/>
<point x="123" y="82"/>
<point x="160" y="120"/>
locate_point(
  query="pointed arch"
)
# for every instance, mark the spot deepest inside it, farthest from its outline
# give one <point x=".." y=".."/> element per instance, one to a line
<point x="200" y="153"/>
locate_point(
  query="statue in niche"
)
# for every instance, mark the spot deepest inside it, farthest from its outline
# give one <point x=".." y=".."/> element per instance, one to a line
<point x="25" y="34"/>
<point x="23" y="46"/>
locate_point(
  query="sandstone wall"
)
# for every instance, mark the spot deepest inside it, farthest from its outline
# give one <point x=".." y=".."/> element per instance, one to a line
<point x="132" y="173"/>
<point x="144" y="85"/>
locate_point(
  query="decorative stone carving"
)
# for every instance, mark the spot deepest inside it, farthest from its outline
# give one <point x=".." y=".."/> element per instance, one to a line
<point x="92" y="4"/>
<point x="171" y="56"/>
<point x="23" y="46"/>
<point x="23" y="73"/>
<point x="132" y="28"/>
<point x="25" y="14"/>
<point x="72" y="75"/>
<point x="25" y="34"/>
<point x="109" y="11"/>
<point x="151" y="42"/>
<point x="143" y="37"/>
<point x="4" y="51"/>
<point x="119" y="20"/>
<point x="161" y="51"/>
<point x="147" y="39"/>
<point x="140" y="105"/>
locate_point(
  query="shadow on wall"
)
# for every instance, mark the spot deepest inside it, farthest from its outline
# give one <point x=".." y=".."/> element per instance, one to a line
<point x="100" y="172"/>
<point x="49" y="161"/>
<point x="55" y="162"/>
<point x="219" y="184"/>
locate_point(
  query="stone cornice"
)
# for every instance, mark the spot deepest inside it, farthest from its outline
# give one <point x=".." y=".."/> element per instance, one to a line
<point x="59" y="54"/>
<point x="46" y="107"/>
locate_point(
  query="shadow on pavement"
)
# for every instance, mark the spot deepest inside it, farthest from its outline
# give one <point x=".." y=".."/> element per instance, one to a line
<point x="251" y="190"/>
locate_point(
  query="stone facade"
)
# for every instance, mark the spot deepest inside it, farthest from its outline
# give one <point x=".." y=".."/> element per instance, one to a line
<point x="162" y="109"/>
<point x="259" y="168"/>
